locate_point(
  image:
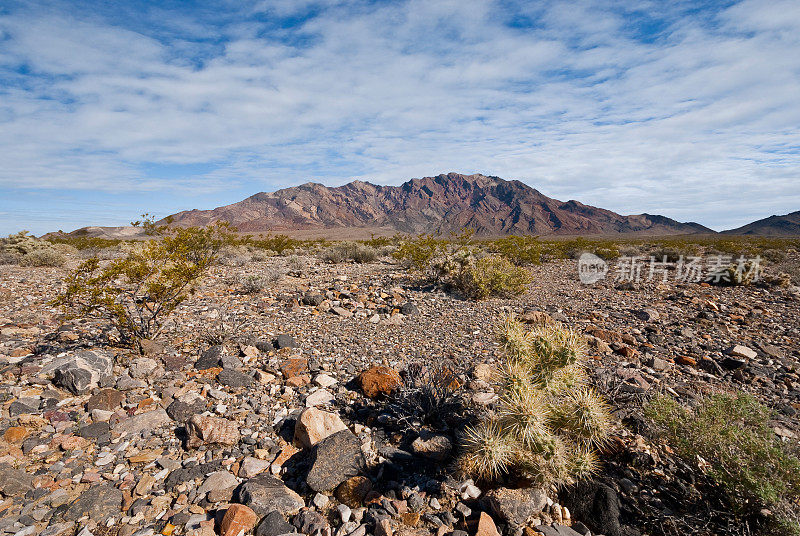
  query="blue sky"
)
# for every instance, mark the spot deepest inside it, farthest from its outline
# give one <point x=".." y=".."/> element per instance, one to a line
<point x="110" y="109"/>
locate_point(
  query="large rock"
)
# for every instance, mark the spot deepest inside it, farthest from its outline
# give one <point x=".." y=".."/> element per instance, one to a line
<point x="515" y="506"/>
<point x="274" y="524"/>
<point x="266" y="493"/>
<point x="13" y="481"/>
<point x="333" y="460"/>
<point x="204" y="430"/>
<point x="99" y="502"/>
<point x="314" y="425"/>
<point x="238" y="518"/>
<point x="106" y="400"/>
<point x="81" y="371"/>
<point x="210" y="358"/>
<point x="486" y="526"/>
<point x="233" y="378"/>
<point x="181" y="410"/>
<point x="597" y="505"/>
<point x="353" y="491"/>
<point x="144" y="421"/>
<point x="218" y="480"/>
<point x="741" y="351"/>
<point x="379" y="380"/>
<point x="433" y="446"/>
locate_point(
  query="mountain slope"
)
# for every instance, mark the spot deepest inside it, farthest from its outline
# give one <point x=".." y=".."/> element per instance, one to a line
<point x="449" y="202"/>
<point x="788" y="224"/>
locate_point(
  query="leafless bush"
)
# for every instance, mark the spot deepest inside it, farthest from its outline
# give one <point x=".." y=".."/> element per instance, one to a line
<point x="227" y="327"/>
<point x="252" y="284"/>
<point x="430" y="393"/>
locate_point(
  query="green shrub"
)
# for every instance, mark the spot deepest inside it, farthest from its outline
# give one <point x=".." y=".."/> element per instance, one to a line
<point x="548" y="422"/>
<point x="138" y="292"/>
<point x="349" y="251"/>
<point x="491" y="277"/>
<point x="252" y="284"/>
<point x="85" y="242"/>
<point x="521" y="250"/>
<point x="731" y="433"/>
<point x="43" y="257"/>
<point x="418" y="252"/>
<point x="9" y="257"/>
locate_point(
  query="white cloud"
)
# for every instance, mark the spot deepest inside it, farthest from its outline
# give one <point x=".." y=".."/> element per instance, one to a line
<point x="701" y="123"/>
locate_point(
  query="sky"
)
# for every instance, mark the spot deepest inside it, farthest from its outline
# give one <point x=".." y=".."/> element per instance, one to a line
<point x="109" y="109"/>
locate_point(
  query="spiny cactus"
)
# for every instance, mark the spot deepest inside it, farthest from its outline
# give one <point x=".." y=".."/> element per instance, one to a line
<point x="548" y="422"/>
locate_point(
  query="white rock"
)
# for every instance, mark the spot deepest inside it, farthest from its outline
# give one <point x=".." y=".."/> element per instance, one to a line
<point x="324" y="381"/>
<point x="319" y="398"/>
<point x="321" y="500"/>
<point x="253" y="466"/>
<point x="344" y="512"/>
<point x="314" y="425"/>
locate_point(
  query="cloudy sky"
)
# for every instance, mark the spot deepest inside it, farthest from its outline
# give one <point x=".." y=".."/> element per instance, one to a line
<point x="110" y="109"/>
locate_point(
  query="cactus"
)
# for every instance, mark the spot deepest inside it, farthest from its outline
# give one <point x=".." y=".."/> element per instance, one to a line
<point x="548" y="422"/>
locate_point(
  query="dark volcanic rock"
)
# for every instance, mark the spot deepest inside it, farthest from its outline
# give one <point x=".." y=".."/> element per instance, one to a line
<point x="335" y="459"/>
<point x="13" y="481"/>
<point x="234" y="378"/>
<point x="210" y="358"/>
<point x="266" y="493"/>
<point x="98" y="502"/>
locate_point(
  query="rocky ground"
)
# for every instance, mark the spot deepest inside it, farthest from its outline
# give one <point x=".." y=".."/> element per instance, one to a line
<point x="295" y="409"/>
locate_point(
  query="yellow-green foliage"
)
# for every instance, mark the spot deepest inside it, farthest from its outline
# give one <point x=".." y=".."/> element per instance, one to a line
<point x="521" y="250"/>
<point x="732" y="434"/>
<point x="418" y="252"/>
<point x="491" y="277"/>
<point x="28" y="250"/>
<point x="548" y="422"/>
<point x="138" y="292"/>
<point x="85" y="242"/>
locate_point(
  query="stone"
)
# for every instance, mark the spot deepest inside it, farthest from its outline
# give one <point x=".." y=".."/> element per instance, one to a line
<point x="433" y="446"/>
<point x="81" y="371"/>
<point x="486" y="526"/>
<point x="284" y="340"/>
<point x="325" y="381"/>
<point x="313" y="299"/>
<point x="294" y="367"/>
<point x="251" y="467"/>
<point x="15" y="434"/>
<point x="14" y="481"/>
<point x="142" y="367"/>
<point x="335" y="459"/>
<point x="135" y="425"/>
<point x="314" y="425"/>
<point x="210" y="358"/>
<point x="266" y="493"/>
<point x="205" y="430"/>
<point x="274" y="524"/>
<point x="515" y="506"/>
<point x="99" y="502"/>
<point x="409" y="309"/>
<point x="107" y="400"/>
<point x="150" y="347"/>
<point x="319" y="397"/>
<point x="233" y="378"/>
<point x="741" y="351"/>
<point x="321" y="501"/>
<point x="379" y="380"/>
<point x="597" y="505"/>
<point x="238" y="518"/>
<point x="310" y="522"/>
<point x="647" y="315"/>
<point x="95" y="430"/>
<point x="341" y="311"/>
<point x="181" y="411"/>
<point x="218" y="480"/>
<point x="384" y="527"/>
<point x="557" y="530"/>
<point x="353" y="491"/>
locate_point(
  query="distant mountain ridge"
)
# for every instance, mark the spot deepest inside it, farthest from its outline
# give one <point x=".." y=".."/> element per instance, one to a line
<point x="788" y="224"/>
<point x="444" y="203"/>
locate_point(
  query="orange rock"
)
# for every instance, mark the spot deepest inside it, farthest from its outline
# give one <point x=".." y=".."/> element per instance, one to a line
<point x="287" y="452"/>
<point x="686" y="360"/>
<point x="73" y="443"/>
<point x="410" y="518"/>
<point x="168" y="529"/>
<point x="379" y="380"/>
<point x="299" y="380"/>
<point x="353" y="491"/>
<point x="15" y="434"/>
<point x="237" y="518"/>
<point x="486" y="526"/>
<point x="294" y="367"/>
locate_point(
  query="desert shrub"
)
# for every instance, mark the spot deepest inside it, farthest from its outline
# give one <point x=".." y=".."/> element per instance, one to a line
<point x="225" y="328"/>
<point x="731" y="433"/>
<point x="430" y="394"/>
<point x="521" y="250"/>
<point x="138" y="292"/>
<point x="295" y="264"/>
<point x="736" y="274"/>
<point x="26" y="250"/>
<point x="259" y="256"/>
<point x="418" y="252"/>
<point x="335" y="254"/>
<point x="548" y="422"/>
<point x="364" y="254"/>
<point x="85" y="242"/>
<point x="491" y="277"/>
<point x="252" y="284"/>
<point x="234" y="255"/>
<point x="43" y="257"/>
<point x="9" y="257"/>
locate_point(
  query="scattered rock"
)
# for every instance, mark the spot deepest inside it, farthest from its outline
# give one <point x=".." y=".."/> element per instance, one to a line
<point x="314" y="425"/>
<point x="380" y="380"/>
<point x="266" y="493"/>
<point x="335" y="459"/>
<point x="204" y="430"/>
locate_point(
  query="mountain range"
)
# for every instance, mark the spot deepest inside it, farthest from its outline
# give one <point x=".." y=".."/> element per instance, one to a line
<point x="445" y="203"/>
<point x="441" y="204"/>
